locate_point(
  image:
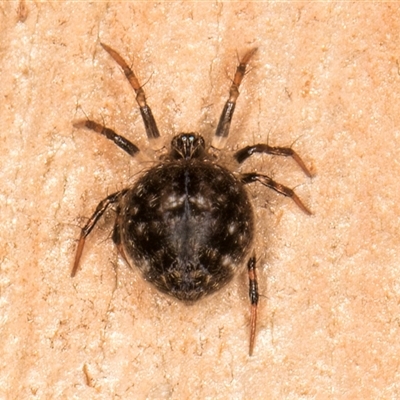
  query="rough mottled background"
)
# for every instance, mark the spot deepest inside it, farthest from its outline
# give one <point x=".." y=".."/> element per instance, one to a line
<point x="326" y="78"/>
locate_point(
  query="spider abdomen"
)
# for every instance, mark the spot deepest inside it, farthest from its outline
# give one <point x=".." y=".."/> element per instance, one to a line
<point x="188" y="226"/>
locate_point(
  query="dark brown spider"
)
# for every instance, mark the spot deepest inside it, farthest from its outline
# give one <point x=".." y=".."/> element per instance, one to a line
<point x="187" y="223"/>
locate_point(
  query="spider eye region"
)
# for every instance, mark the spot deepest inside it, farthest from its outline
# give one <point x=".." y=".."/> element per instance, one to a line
<point x="187" y="146"/>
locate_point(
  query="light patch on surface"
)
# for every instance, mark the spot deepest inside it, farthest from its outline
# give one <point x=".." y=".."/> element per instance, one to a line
<point x="172" y="202"/>
<point x="232" y="228"/>
<point x="139" y="228"/>
<point x="226" y="261"/>
<point x="201" y="202"/>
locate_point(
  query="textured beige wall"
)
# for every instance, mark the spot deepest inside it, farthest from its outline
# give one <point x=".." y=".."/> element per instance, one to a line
<point x="326" y="77"/>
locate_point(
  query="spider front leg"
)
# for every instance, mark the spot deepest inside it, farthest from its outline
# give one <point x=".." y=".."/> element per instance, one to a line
<point x="224" y="124"/>
<point x="100" y="210"/>
<point x="147" y="115"/>
<point x="279" y="188"/>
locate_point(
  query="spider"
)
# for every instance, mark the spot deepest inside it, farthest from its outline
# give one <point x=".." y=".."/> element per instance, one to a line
<point x="187" y="223"/>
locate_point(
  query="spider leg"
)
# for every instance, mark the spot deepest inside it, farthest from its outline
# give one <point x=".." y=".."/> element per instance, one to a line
<point x="248" y="151"/>
<point x="222" y="132"/>
<point x="253" y="294"/>
<point x="119" y="140"/>
<point x="147" y="116"/>
<point x="100" y="209"/>
<point x="279" y="188"/>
